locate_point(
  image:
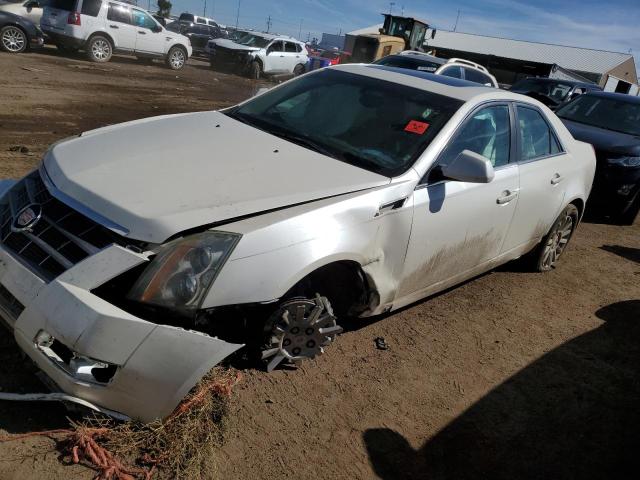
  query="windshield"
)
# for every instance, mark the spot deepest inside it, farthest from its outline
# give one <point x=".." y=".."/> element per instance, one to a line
<point x="603" y="112"/>
<point x="373" y="124"/>
<point x="555" y="90"/>
<point x="253" y="41"/>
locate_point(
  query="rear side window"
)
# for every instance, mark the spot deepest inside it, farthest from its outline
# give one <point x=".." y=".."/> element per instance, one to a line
<point x="454" y="72"/>
<point x="119" y="13"/>
<point x="536" y="138"/>
<point x="212" y="23"/>
<point x="201" y="21"/>
<point x="290" y="47"/>
<point x="298" y="48"/>
<point x="475" y="76"/>
<point x="91" y="7"/>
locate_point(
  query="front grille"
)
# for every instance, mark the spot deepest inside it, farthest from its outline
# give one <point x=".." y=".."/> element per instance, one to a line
<point x="60" y="239"/>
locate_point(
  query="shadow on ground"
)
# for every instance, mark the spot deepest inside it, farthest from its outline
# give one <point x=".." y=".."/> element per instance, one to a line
<point x="629" y="253"/>
<point x="572" y="414"/>
<point x="18" y="375"/>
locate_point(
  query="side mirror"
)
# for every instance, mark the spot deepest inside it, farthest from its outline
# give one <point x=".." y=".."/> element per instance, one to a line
<point x="157" y="29"/>
<point x="469" y="167"/>
<point x="32" y="4"/>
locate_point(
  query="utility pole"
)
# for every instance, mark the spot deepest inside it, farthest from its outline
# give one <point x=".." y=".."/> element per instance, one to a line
<point x="238" y="15"/>
<point x="308" y="37"/>
<point x="204" y="10"/>
<point x="300" y="30"/>
<point x="403" y="10"/>
<point x="268" y="23"/>
<point x="391" y="4"/>
<point x="457" y="18"/>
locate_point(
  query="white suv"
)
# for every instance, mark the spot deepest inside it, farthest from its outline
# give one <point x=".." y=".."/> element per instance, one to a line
<point x="101" y="27"/>
<point x="258" y="53"/>
<point x="467" y="70"/>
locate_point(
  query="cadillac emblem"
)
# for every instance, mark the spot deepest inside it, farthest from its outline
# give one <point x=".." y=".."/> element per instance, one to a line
<point x="27" y="218"/>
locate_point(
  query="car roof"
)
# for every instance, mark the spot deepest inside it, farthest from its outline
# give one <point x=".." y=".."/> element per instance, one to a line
<point x="440" y="84"/>
<point x="271" y="36"/>
<point x="424" y="58"/>
<point x="623" y="97"/>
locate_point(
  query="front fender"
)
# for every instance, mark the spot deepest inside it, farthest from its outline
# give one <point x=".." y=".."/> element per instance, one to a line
<point x="281" y="248"/>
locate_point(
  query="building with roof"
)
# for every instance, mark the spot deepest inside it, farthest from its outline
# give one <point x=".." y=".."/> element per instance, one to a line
<point x="510" y="60"/>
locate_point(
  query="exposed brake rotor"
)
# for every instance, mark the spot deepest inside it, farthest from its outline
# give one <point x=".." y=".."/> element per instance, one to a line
<point x="302" y="328"/>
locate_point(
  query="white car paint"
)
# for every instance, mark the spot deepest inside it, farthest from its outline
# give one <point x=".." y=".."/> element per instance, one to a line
<point x="295" y="210"/>
<point x="29" y="9"/>
<point x="125" y="37"/>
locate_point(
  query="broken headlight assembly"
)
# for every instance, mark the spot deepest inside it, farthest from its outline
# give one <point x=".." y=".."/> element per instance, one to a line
<point x="182" y="272"/>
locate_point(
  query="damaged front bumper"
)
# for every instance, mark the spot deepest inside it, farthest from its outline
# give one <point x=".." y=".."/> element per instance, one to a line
<point x="96" y="351"/>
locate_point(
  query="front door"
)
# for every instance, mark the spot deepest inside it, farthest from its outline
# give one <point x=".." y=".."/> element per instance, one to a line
<point x="275" y="61"/>
<point x="458" y="226"/>
<point x="544" y="167"/>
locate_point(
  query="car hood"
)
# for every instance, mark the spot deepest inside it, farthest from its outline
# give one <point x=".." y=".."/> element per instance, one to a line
<point x="160" y="176"/>
<point x="604" y="140"/>
<point x="231" y="45"/>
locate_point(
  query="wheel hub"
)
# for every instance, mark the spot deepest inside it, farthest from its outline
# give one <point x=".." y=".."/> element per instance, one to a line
<point x="302" y="329"/>
<point x="13" y="40"/>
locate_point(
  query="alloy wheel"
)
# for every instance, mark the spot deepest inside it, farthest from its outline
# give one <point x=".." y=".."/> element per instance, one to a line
<point x="177" y="59"/>
<point x="101" y="49"/>
<point x="557" y="242"/>
<point x="13" y="39"/>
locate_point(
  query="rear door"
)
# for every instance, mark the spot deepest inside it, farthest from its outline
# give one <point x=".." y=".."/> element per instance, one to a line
<point x="147" y="40"/>
<point x="119" y="26"/>
<point x="544" y="166"/>
<point x="55" y="14"/>
<point x="292" y="57"/>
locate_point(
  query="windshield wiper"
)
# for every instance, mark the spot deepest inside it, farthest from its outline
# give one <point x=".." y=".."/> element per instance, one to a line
<point x="362" y="162"/>
<point x="304" y="141"/>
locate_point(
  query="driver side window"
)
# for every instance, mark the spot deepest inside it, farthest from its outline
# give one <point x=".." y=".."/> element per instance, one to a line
<point x="487" y="132"/>
<point x="275" y="47"/>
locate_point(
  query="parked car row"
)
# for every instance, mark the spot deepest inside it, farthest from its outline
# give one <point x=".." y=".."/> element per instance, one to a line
<point x="98" y="27"/>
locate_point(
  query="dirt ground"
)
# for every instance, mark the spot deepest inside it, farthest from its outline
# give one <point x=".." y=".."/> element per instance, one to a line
<point x="511" y="375"/>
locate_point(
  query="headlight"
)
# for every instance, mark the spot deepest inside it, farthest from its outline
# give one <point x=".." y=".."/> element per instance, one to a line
<point x="625" y="161"/>
<point x="180" y="275"/>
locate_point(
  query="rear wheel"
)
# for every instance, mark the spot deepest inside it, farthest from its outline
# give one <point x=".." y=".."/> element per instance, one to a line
<point x="176" y="58"/>
<point x="553" y="245"/>
<point x="13" y="39"/>
<point x="299" y="70"/>
<point x="99" y="49"/>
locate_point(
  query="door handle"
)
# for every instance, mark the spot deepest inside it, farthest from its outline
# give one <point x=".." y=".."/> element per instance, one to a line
<point x="142" y="33"/>
<point x="506" y="197"/>
<point x="557" y="178"/>
<point x="113" y="26"/>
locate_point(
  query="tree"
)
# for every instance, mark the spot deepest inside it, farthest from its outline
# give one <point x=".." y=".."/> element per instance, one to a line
<point x="164" y="8"/>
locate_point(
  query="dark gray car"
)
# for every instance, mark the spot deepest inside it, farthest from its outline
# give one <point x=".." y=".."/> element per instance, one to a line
<point x="18" y="34"/>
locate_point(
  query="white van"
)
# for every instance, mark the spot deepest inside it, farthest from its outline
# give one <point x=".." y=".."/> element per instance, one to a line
<point x="102" y="27"/>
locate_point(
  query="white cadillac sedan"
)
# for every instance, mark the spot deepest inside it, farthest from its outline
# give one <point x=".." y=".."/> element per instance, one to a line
<point x="140" y="255"/>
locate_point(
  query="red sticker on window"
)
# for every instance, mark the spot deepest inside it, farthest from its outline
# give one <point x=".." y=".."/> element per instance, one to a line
<point x="416" y="127"/>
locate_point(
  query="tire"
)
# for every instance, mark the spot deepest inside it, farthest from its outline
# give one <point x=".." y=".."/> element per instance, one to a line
<point x="299" y="70"/>
<point x="176" y="58"/>
<point x="299" y="329"/>
<point x="546" y="255"/>
<point x="255" y="70"/>
<point x="99" y="49"/>
<point x="13" y="39"/>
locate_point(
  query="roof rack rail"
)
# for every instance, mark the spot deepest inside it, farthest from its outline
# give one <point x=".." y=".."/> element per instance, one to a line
<point x="468" y="62"/>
